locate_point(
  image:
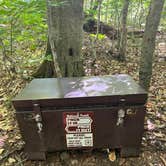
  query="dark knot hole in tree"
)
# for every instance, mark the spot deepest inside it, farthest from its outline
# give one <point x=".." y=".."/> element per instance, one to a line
<point x="71" y="52"/>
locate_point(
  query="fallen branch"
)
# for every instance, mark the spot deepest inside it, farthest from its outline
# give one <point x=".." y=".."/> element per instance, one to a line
<point x="163" y="160"/>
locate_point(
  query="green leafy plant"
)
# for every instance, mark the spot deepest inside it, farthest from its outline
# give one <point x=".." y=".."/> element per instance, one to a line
<point x="99" y="36"/>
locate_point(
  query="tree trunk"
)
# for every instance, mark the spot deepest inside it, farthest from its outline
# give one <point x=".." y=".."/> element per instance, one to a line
<point x="65" y="20"/>
<point x="106" y="12"/>
<point x="148" y="44"/>
<point x="98" y="17"/>
<point x="46" y="68"/>
<point x="123" y="30"/>
<point x="91" y="4"/>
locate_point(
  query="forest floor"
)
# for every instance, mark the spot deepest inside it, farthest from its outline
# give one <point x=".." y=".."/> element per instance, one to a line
<point x="101" y="62"/>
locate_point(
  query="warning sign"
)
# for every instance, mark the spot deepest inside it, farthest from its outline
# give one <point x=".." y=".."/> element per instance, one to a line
<point x="78" y="128"/>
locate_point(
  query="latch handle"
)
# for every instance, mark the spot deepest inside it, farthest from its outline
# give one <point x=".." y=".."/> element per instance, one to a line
<point x="39" y="123"/>
<point x="38" y="118"/>
<point x="121" y="115"/>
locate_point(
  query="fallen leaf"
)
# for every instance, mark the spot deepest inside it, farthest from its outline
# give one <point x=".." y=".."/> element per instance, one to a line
<point x="17" y="137"/>
<point x="149" y="105"/>
<point x="150" y="126"/>
<point x="157" y="122"/>
<point x="159" y="135"/>
<point x="1" y="151"/>
<point x="8" y="128"/>
<point x="112" y="156"/>
<point x="11" y="160"/>
<point x="2" y="141"/>
<point x="11" y="141"/>
<point x="1" y="117"/>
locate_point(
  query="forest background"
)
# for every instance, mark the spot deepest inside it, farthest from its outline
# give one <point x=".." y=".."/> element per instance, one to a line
<point x="23" y="45"/>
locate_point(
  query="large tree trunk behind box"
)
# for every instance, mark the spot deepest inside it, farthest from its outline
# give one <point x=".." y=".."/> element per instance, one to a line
<point x="46" y="69"/>
<point x="65" y="19"/>
<point x="148" y="44"/>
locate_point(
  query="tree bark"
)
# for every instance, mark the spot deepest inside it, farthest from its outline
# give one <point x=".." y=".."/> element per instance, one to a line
<point x="65" y="20"/>
<point x="148" y="44"/>
<point x="46" y="68"/>
<point x="106" y="12"/>
<point x="91" y="4"/>
<point x="123" y="30"/>
<point x="98" y="17"/>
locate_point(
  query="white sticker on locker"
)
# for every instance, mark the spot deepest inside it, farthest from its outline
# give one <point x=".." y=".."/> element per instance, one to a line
<point x="79" y="140"/>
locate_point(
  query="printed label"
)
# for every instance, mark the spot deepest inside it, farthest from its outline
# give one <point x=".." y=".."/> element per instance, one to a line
<point x="78" y="128"/>
<point x="79" y="140"/>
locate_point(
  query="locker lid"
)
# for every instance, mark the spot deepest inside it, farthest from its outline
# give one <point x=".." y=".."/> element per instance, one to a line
<point x="81" y="87"/>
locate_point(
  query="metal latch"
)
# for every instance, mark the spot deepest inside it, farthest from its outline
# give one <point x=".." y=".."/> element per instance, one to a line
<point x="38" y="118"/>
<point x="39" y="123"/>
<point x="121" y="115"/>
